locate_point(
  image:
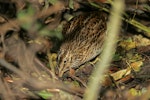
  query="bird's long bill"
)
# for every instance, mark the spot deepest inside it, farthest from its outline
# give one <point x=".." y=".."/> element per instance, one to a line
<point x="62" y="70"/>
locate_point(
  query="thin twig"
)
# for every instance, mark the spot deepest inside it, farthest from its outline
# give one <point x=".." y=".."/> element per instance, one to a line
<point x="109" y="47"/>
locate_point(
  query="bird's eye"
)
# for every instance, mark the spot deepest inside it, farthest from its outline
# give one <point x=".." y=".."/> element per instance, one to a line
<point x="65" y="61"/>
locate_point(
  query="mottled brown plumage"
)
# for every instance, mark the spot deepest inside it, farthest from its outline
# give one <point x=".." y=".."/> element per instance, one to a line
<point x="84" y="36"/>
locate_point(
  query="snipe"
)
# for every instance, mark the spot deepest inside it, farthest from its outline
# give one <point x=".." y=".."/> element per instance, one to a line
<point x="84" y="36"/>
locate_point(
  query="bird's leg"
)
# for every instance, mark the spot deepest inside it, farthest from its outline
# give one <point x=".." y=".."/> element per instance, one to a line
<point x="94" y="61"/>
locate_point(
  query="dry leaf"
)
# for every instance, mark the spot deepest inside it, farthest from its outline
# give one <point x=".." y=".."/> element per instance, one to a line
<point x="141" y="41"/>
<point x="136" y="65"/>
<point x="127" y="44"/>
<point x="120" y="74"/>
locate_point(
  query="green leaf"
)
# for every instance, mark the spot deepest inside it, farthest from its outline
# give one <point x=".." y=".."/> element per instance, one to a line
<point x="117" y="57"/>
<point x="26" y="17"/>
<point x="52" y="33"/>
<point x="71" y="4"/>
<point x="53" y="1"/>
<point x="44" y="94"/>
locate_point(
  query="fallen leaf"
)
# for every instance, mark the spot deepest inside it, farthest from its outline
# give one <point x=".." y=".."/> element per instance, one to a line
<point x="127" y="44"/>
<point x="136" y="66"/>
<point x="141" y="41"/>
<point x="120" y="74"/>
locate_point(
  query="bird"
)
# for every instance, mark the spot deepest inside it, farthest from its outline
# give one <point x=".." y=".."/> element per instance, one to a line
<point x="84" y="36"/>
